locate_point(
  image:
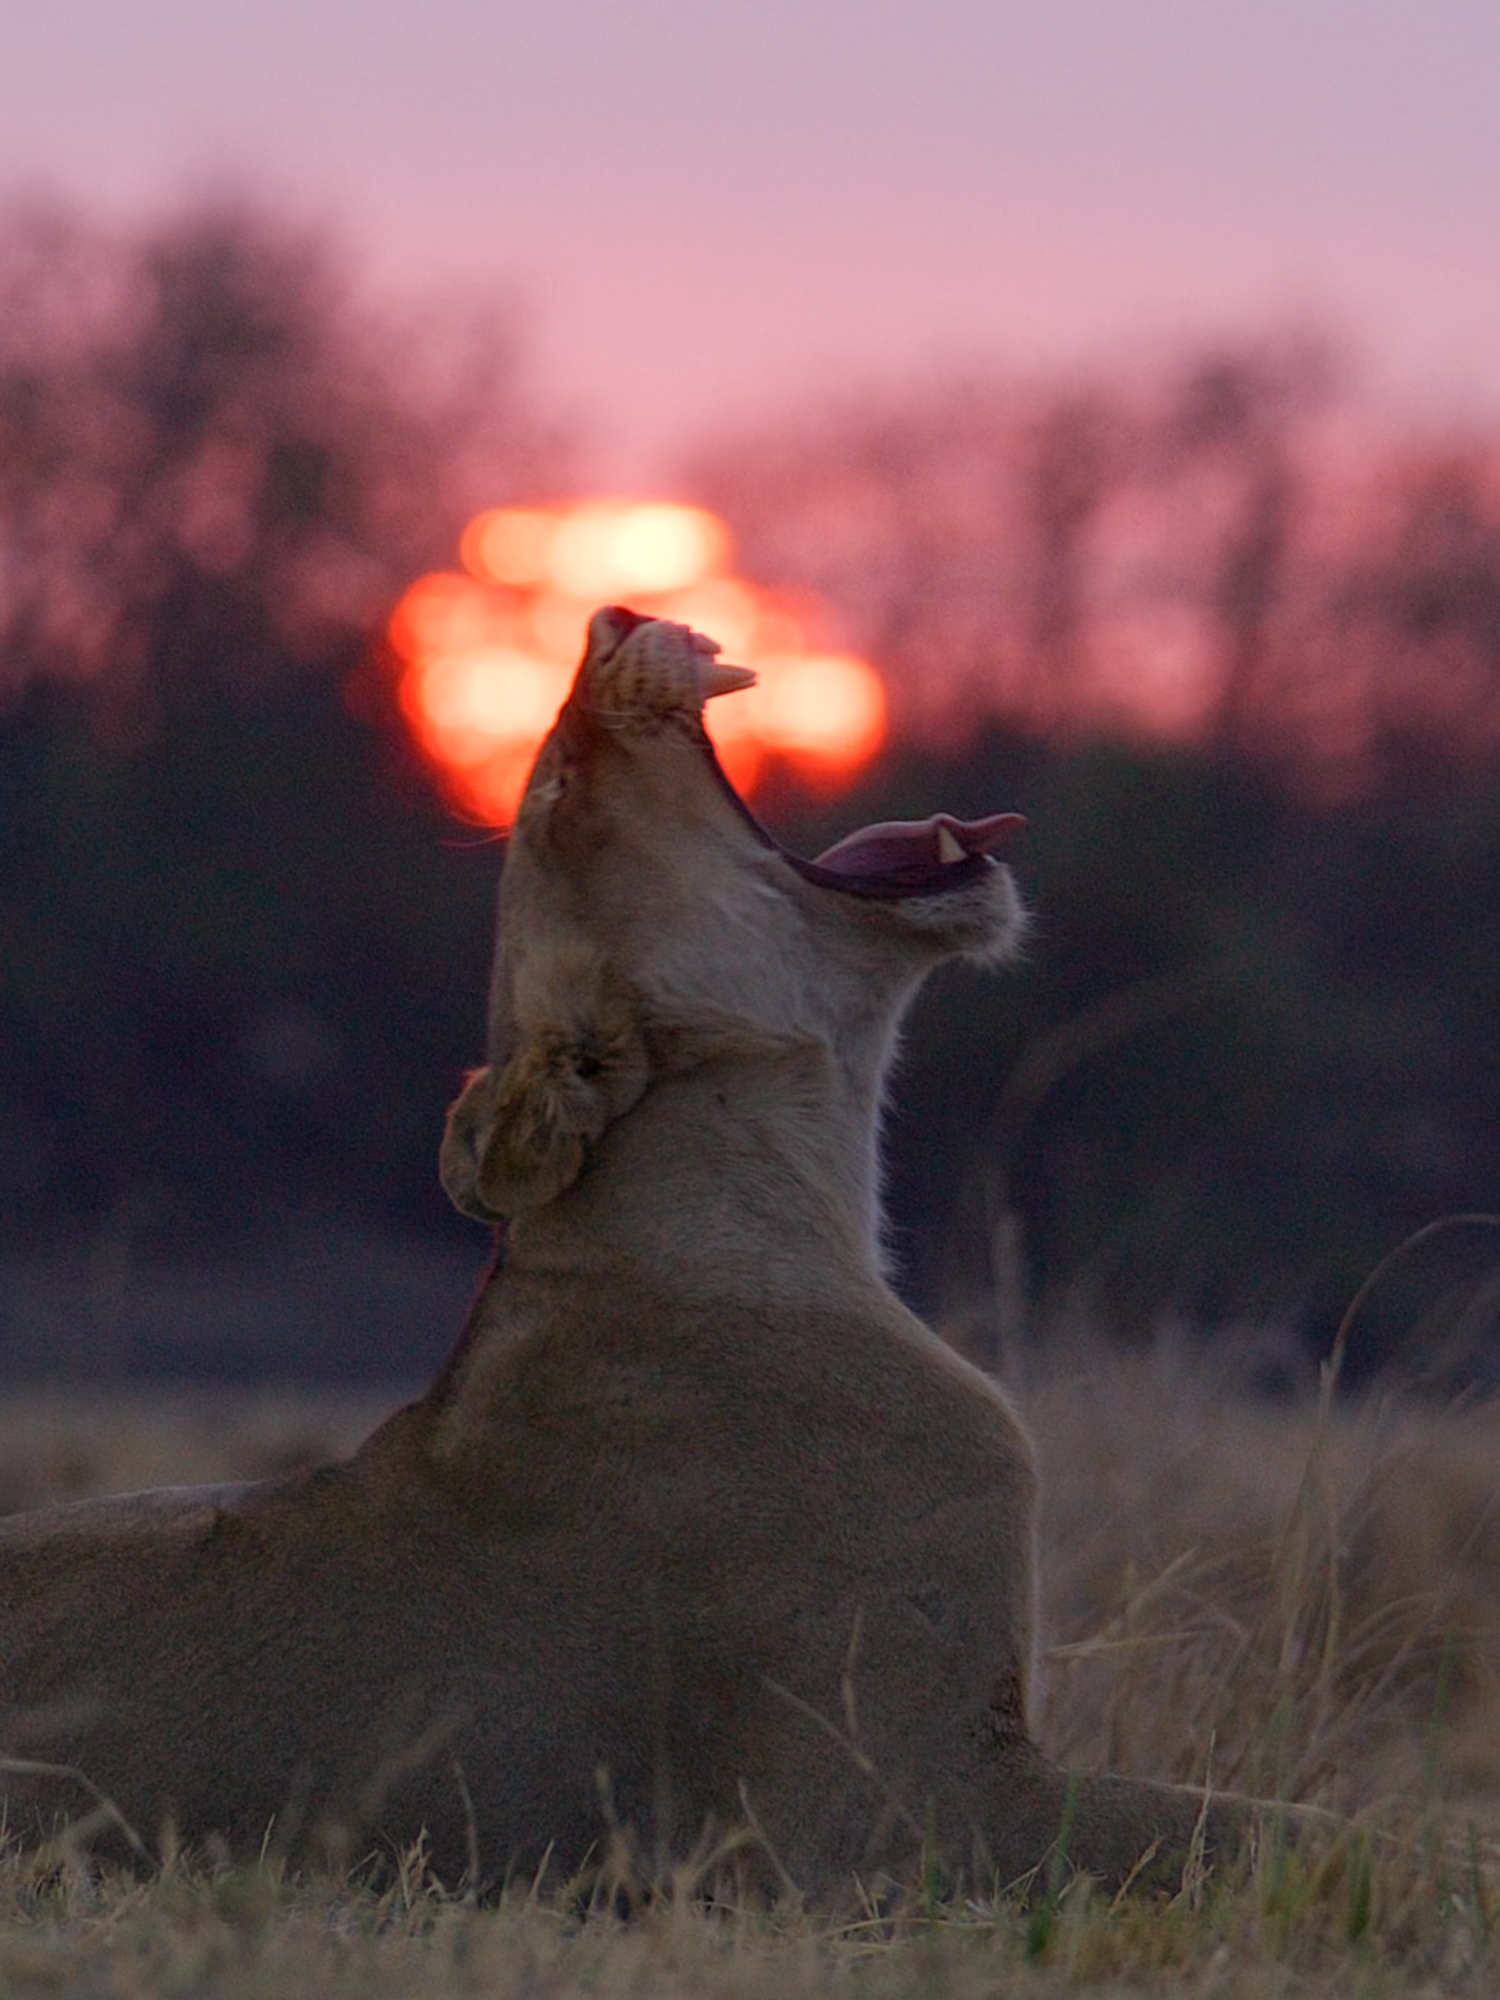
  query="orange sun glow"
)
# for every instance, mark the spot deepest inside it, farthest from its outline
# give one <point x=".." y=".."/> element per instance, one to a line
<point x="487" y="654"/>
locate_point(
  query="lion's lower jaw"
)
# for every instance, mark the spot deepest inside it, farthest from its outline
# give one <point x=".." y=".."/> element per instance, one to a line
<point x="986" y="923"/>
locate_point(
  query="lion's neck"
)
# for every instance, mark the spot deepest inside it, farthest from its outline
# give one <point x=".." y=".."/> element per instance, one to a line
<point x="738" y="1182"/>
<point x="730" y="1158"/>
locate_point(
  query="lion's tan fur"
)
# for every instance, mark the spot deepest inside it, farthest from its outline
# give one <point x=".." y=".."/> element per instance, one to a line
<point x="700" y="1533"/>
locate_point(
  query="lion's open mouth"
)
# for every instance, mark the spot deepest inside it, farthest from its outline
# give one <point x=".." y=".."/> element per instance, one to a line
<point x="644" y="666"/>
<point x="897" y="857"/>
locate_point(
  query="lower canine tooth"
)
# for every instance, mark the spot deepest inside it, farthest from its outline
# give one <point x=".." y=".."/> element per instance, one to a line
<point x="949" y="849"/>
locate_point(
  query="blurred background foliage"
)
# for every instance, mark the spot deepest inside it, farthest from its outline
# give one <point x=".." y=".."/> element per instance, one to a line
<point x="243" y="950"/>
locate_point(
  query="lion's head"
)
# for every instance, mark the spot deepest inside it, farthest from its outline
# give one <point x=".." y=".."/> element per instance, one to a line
<point x="648" y="920"/>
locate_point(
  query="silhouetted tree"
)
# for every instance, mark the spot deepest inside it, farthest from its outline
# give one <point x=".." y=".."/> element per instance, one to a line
<point x="1422" y="615"/>
<point x="212" y="463"/>
<point x="1035" y="554"/>
<point x="1241" y="412"/>
<point x="1076" y="455"/>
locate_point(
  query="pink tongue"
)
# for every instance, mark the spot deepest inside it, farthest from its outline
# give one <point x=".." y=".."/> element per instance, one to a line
<point x="907" y="843"/>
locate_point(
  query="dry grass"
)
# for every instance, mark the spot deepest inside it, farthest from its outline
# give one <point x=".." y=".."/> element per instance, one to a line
<point x="1295" y="1602"/>
<point x="1299" y="1603"/>
<point x="1310" y="1929"/>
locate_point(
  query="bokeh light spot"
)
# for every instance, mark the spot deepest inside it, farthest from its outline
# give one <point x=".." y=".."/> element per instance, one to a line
<point x="510" y="545"/>
<point x="605" y="550"/>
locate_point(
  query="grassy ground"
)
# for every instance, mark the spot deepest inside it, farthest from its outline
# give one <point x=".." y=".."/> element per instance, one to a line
<point x="1297" y="1601"/>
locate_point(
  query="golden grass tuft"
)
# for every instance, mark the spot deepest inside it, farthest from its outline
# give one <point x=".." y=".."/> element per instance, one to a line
<point x="1300" y="1601"/>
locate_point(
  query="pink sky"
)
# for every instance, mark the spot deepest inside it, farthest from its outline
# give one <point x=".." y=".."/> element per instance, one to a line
<point x="712" y="208"/>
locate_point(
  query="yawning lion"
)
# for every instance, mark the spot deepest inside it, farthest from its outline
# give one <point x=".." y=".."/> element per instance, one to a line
<point x="700" y="1536"/>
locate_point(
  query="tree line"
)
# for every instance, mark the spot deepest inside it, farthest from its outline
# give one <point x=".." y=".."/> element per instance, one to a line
<point x="244" y="950"/>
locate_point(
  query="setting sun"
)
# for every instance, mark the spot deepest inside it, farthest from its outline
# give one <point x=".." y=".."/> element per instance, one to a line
<point x="487" y="654"/>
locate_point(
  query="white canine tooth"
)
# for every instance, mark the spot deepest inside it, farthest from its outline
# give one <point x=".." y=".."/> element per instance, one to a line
<point x="716" y="677"/>
<point x="949" y="849"/>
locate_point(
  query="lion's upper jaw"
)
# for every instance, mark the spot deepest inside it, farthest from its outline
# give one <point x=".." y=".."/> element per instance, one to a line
<point x="645" y="672"/>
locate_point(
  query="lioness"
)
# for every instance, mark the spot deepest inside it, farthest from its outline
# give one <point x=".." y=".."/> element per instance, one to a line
<point x="700" y="1534"/>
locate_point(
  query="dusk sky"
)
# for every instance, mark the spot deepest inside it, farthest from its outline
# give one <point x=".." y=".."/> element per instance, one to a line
<point x="714" y="210"/>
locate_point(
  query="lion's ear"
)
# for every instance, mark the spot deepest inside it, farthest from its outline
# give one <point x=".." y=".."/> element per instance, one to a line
<point x="519" y="1134"/>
